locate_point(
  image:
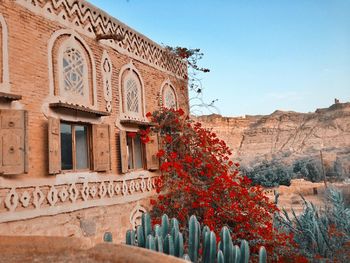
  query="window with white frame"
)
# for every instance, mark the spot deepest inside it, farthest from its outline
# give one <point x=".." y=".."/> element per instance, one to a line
<point x="73" y="72"/>
<point x="169" y="97"/>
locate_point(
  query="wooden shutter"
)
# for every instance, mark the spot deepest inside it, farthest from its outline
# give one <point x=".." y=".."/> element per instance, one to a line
<point x="101" y="147"/>
<point x="13" y="130"/>
<point x="151" y="149"/>
<point x="54" y="146"/>
<point x="123" y="151"/>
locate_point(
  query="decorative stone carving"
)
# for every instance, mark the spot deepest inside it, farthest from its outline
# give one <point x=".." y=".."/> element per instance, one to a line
<point x="149" y="184"/>
<point x="73" y="193"/>
<point x="137" y="186"/>
<point x="38" y="197"/>
<point x="52" y="196"/>
<point x="110" y="189"/>
<point x="85" y="191"/>
<point x="94" y="192"/>
<point x="63" y="194"/>
<point x="124" y="188"/>
<point x="102" y="190"/>
<point x="83" y="17"/>
<point x="106" y="68"/>
<point x="11" y="200"/>
<point x="136" y="215"/>
<point x="117" y="188"/>
<point x="132" y="187"/>
<point x="25" y="199"/>
<point x="143" y="185"/>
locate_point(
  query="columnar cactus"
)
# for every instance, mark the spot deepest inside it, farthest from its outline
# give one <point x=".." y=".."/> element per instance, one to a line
<point x="159" y="243"/>
<point x="262" y="255"/>
<point x="179" y="245"/>
<point x="130" y="237"/>
<point x="226" y="243"/>
<point x="168" y="239"/>
<point x="209" y="253"/>
<point x="244" y="252"/>
<point x="169" y="245"/>
<point x="140" y="236"/>
<point x="193" y="242"/>
<point x="236" y="254"/>
<point x="146" y="224"/>
<point x="150" y="242"/>
<point x="220" y="257"/>
<point x="165" y="226"/>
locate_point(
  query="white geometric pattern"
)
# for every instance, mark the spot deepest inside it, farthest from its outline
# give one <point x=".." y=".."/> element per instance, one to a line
<point x="74" y="68"/>
<point x="41" y="198"/>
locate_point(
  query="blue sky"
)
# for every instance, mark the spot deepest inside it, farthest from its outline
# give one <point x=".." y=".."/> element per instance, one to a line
<point x="263" y="55"/>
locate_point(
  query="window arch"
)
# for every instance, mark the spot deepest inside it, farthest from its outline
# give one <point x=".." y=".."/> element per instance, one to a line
<point x="132" y="105"/>
<point x="169" y="96"/>
<point x="72" y="71"/>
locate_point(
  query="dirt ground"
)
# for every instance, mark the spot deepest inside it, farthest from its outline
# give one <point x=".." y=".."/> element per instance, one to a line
<point x="60" y="249"/>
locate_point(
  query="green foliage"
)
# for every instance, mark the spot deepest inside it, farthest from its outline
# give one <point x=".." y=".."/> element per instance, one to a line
<point x="269" y="174"/>
<point x="174" y="244"/>
<point x="321" y="233"/>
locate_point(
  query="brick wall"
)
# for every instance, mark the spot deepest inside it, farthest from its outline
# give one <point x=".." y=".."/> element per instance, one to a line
<point x="28" y="37"/>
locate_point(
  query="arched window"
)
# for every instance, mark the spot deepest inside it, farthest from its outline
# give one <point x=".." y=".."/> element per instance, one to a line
<point x="132" y="94"/>
<point x="169" y="96"/>
<point x="73" y="71"/>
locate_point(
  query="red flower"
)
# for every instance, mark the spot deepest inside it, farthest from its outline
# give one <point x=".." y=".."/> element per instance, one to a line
<point x="181" y="112"/>
<point x="148" y="115"/>
<point x="168" y="138"/>
<point x="160" y="153"/>
<point x="173" y="155"/>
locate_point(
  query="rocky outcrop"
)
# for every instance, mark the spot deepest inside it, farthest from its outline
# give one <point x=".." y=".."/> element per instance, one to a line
<point x="286" y="135"/>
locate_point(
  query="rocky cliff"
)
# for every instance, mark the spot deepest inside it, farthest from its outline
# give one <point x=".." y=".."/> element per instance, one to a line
<point x="287" y="136"/>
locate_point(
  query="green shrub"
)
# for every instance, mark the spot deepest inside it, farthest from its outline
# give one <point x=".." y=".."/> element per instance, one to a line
<point x="321" y="233"/>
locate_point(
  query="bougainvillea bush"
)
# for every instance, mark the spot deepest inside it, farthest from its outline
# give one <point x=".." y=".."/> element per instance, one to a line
<point x="198" y="178"/>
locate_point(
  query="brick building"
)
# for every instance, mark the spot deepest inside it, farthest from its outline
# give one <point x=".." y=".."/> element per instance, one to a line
<point x="73" y="83"/>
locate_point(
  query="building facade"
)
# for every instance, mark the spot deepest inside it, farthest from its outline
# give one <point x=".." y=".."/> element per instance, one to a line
<point x="75" y="87"/>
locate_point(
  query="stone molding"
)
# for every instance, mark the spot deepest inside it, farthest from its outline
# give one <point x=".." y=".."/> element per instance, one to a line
<point x="44" y="197"/>
<point x="5" y="85"/>
<point x="84" y="18"/>
<point x="107" y="72"/>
